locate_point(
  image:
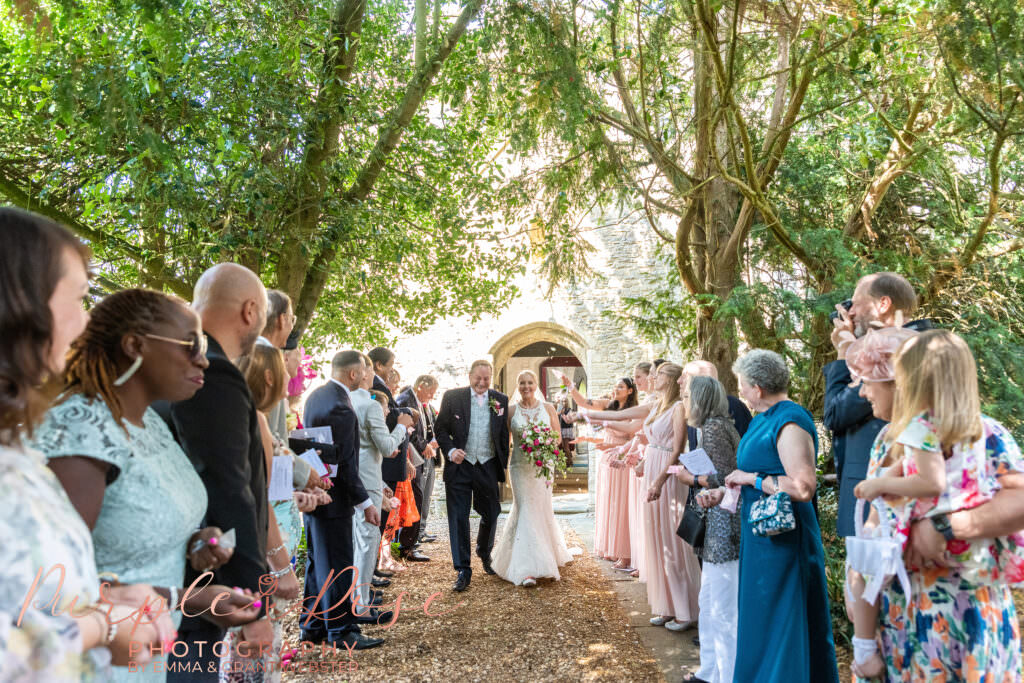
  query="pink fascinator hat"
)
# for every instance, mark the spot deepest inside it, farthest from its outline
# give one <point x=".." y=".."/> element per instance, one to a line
<point x="870" y="357"/>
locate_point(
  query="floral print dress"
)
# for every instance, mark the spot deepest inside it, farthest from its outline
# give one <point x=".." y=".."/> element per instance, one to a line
<point x="971" y="480"/>
<point x="959" y="623"/>
<point x="40" y="531"/>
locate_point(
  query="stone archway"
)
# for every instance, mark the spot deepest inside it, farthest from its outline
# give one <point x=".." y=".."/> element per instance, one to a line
<point x="535" y="347"/>
<point x="506" y="347"/>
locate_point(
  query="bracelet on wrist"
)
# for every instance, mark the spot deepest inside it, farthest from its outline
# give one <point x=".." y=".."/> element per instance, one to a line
<point x="278" y="573"/>
<point x="271" y="553"/>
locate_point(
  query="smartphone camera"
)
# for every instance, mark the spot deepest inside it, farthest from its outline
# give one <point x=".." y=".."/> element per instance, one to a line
<point x="848" y="304"/>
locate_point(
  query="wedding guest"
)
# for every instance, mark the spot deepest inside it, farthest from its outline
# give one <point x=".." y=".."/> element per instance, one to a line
<point x="276" y="333"/>
<point x="329" y="528"/>
<point x="219" y="430"/>
<point x="115" y="457"/>
<point x="267" y="379"/>
<point x="673" y="572"/>
<point x="376" y="443"/>
<point x="781" y="575"/>
<point x="876" y="301"/>
<point x="634" y="456"/>
<point x="707" y="409"/>
<point x="737" y="410"/>
<point x="43" y="285"/>
<point x="398" y="469"/>
<point x="567" y="429"/>
<point x="418" y="397"/>
<point x="967" y="588"/>
<point x="611" y="539"/>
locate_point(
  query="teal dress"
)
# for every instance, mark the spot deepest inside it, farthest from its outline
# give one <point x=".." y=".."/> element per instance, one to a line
<point x="152" y="506"/>
<point x="785" y="633"/>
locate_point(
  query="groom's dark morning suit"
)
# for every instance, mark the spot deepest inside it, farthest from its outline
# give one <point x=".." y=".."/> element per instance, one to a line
<point x="472" y="482"/>
<point x="329" y="527"/>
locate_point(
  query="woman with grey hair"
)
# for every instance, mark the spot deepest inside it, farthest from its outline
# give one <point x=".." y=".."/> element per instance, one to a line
<point x="781" y="577"/>
<point x="707" y="409"/>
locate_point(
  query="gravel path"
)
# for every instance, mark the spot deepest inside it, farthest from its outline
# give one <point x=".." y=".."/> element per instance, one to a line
<point x="569" y="630"/>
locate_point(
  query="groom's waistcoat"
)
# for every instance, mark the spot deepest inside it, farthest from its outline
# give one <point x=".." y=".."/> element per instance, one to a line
<point x="479" y="447"/>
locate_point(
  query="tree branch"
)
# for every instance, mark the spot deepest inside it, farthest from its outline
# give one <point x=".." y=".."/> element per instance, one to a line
<point x="151" y="266"/>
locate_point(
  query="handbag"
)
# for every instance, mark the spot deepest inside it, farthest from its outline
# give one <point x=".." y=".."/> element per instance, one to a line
<point x="693" y="524"/>
<point x="875" y="556"/>
<point x="772" y="515"/>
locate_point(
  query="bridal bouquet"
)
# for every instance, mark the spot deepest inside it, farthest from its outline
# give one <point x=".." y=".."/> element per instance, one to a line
<point x="543" y="446"/>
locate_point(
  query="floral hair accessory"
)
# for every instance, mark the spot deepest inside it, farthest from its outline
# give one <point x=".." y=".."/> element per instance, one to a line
<point x="870" y="357"/>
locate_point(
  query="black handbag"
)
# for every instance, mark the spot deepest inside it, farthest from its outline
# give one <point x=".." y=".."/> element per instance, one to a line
<point x="692" y="526"/>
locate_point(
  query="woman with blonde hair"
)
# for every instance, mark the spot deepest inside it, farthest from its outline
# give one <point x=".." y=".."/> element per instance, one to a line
<point x="267" y="378"/>
<point x="943" y="454"/>
<point x="532" y="545"/>
<point x="673" y="572"/>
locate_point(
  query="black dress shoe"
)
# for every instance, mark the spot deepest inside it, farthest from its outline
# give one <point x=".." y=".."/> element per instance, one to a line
<point x="696" y="641"/>
<point x="415" y="556"/>
<point x="461" y="583"/>
<point x="357" y="641"/>
<point x="487" y="566"/>
<point x="376" y="600"/>
<point x="383" y="573"/>
<point x="315" y="638"/>
<point x="375" y="617"/>
<point x="380" y="583"/>
<point x="427" y="538"/>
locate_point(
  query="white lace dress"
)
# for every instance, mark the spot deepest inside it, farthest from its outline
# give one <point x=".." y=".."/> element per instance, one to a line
<point x="531" y="544"/>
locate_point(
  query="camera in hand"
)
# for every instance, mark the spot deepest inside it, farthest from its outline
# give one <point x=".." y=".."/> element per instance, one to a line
<point x="848" y="304"/>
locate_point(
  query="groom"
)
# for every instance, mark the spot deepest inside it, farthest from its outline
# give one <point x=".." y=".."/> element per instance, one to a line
<point x="472" y="431"/>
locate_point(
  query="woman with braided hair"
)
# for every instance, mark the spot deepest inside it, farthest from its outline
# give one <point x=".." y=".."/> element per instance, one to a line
<point x="73" y="637"/>
<point x="123" y="471"/>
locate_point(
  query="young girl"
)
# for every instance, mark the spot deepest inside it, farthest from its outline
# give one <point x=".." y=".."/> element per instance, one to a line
<point x="934" y="451"/>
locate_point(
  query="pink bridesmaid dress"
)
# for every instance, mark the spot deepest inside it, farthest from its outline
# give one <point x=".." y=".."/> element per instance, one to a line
<point x="637" y="500"/>
<point x="673" y="573"/>
<point x="611" y="527"/>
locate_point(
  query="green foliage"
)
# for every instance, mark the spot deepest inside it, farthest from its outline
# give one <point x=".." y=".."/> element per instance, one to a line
<point x="174" y="137"/>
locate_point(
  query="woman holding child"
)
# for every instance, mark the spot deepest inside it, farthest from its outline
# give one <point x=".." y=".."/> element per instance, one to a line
<point x="937" y="465"/>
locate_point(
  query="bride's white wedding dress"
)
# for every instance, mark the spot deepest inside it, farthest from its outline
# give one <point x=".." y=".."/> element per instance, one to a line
<point x="531" y="544"/>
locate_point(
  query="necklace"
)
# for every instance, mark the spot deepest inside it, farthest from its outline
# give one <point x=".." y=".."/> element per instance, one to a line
<point x="532" y="411"/>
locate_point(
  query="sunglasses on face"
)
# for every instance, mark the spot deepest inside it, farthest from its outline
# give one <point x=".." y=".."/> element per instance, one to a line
<point x="197" y="346"/>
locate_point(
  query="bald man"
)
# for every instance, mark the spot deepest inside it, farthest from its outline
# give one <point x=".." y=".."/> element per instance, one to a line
<point x="737" y="409"/>
<point x="219" y="431"/>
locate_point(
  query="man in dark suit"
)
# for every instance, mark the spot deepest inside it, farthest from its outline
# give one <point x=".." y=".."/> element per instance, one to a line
<point x="219" y="431"/>
<point x="876" y="300"/>
<point x="417" y="398"/>
<point x="396" y="469"/>
<point x="472" y="431"/>
<point x="330" y="556"/>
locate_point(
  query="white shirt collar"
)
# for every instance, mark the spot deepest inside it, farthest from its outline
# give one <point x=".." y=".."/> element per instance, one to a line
<point x="347" y="390"/>
<point x="263" y="341"/>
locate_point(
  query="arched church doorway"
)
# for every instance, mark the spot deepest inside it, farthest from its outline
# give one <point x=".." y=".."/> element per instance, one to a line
<point x="547" y="349"/>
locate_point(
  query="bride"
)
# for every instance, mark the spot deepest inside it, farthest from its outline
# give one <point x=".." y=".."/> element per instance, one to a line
<point x="531" y="545"/>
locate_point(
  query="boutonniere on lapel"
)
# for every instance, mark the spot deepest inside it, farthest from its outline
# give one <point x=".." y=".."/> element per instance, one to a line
<point x="497" y="407"/>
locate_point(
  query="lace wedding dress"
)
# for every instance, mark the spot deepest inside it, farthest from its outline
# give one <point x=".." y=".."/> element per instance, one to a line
<point x="531" y="544"/>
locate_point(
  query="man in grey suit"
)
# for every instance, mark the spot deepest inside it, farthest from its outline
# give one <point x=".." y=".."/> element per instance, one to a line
<point x="376" y="442"/>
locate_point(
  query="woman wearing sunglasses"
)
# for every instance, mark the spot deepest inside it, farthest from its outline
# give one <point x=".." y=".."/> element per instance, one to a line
<point x="124" y="472"/>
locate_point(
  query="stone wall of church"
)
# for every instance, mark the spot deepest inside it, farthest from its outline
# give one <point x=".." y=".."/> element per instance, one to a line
<point x="625" y="263"/>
